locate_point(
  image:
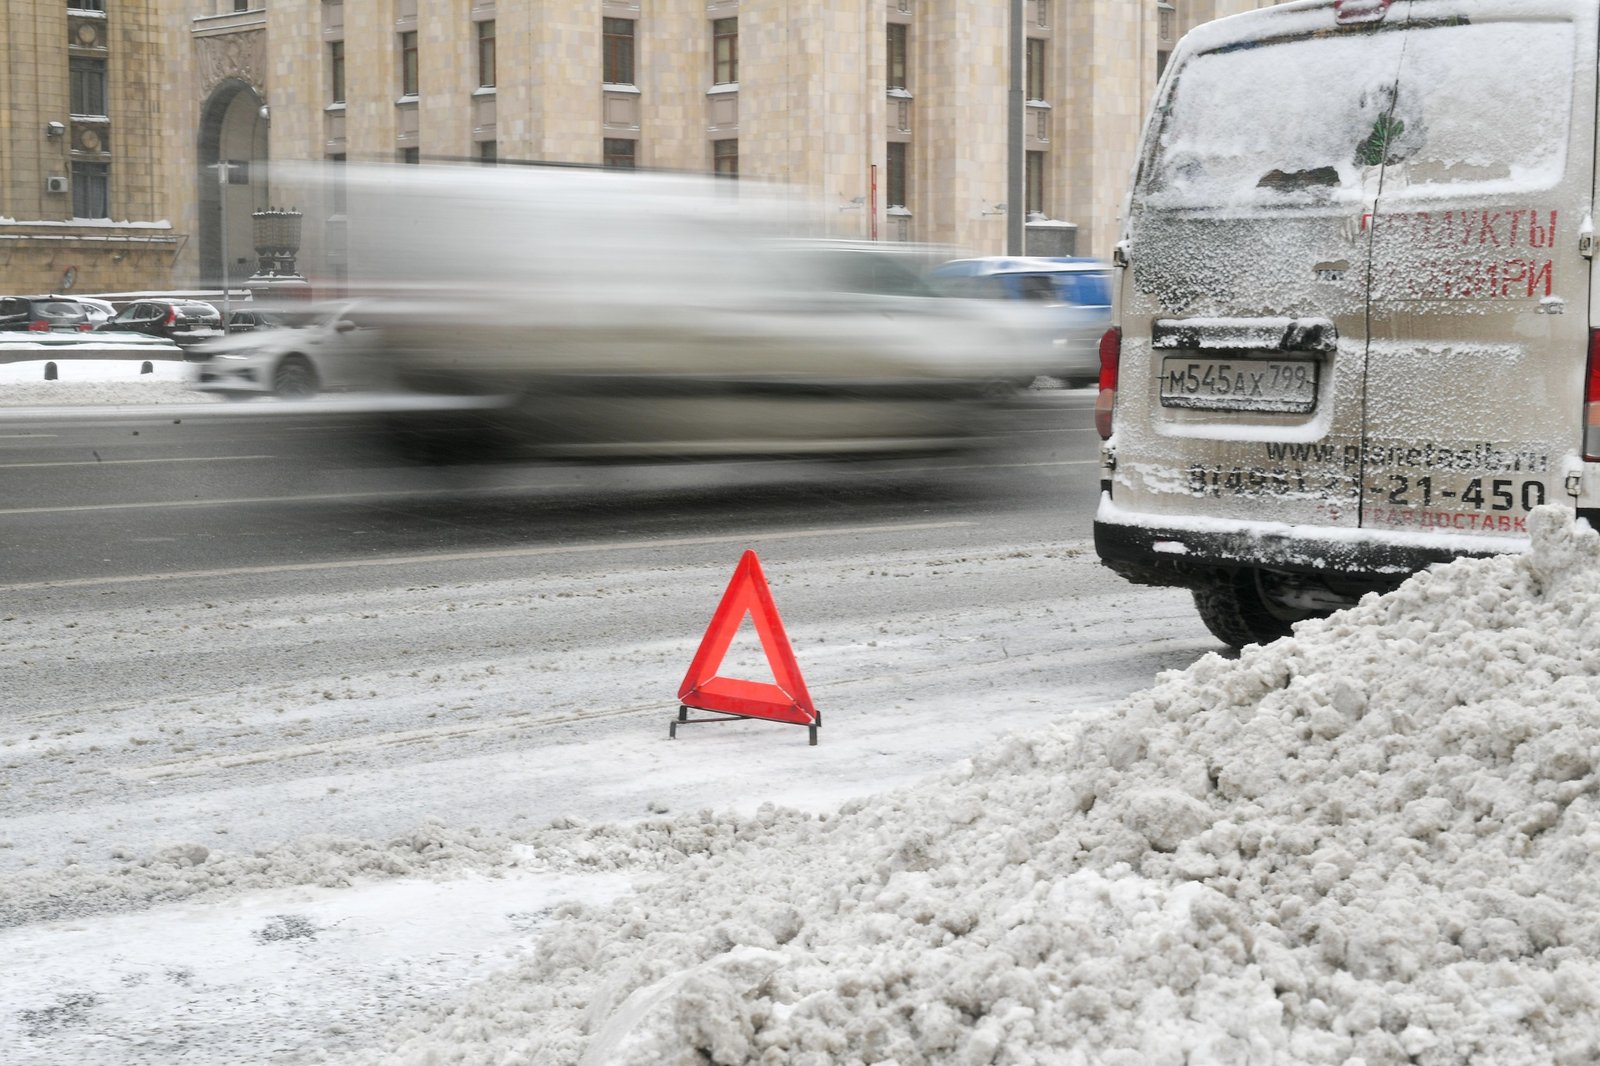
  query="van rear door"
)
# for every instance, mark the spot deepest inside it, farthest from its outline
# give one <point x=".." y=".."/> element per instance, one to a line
<point x="1244" y="305"/>
<point x="1479" y="290"/>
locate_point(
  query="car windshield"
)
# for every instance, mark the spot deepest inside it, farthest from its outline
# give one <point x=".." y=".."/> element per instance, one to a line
<point x="1302" y="119"/>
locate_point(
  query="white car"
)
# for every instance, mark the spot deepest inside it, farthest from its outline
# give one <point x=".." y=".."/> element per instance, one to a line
<point x="331" y="348"/>
<point x="97" y="309"/>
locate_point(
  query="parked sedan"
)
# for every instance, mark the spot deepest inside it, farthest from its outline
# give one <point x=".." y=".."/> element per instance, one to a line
<point x="43" y="314"/>
<point x="185" y="322"/>
<point x="334" y="349"/>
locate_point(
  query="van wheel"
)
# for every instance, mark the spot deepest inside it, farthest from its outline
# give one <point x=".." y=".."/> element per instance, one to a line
<point x="1239" y="609"/>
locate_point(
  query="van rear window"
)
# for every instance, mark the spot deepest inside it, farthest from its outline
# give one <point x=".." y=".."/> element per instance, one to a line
<point x="1312" y="119"/>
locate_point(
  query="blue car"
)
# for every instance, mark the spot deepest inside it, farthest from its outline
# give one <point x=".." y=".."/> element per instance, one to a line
<point x="1073" y="296"/>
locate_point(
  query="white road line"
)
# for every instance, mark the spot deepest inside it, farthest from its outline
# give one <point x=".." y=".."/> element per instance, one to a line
<point x="131" y="462"/>
<point x="223" y="502"/>
<point x="324" y="497"/>
<point x="473" y="556"/>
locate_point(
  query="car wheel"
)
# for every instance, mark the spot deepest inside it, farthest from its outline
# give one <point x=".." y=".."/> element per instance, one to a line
<point x="294" y="379"/>
<point x="1239" y="608"/>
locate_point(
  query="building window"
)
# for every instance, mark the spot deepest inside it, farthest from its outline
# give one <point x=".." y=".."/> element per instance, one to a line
<point x="894" y="184"/>
<point x="241" y="5"/>
<point x="336" y="71"/>
<point x="486" y="53"/>
<point x="1161" y="63"/>
<point x="725" y="158"/>
<point x="88" y="86"/>
<point x="724" y="51"/>
<point x="410" y="155"/>
<point x="618" y="44"/>
<point x="1035" y="68"/>
<point x="488" y="152"/>
<point x="91" y="190"/>
<point x="621" y="152"/>
<point x="408" y="63"/>
<point x="87" y="5"/>
<point x="1033" y="184"/>
<point x="897" y="55"/>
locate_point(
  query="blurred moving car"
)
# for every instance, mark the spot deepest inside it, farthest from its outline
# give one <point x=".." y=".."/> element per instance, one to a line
<point x="620" y="315"/>
<point x="43" y="314"/>
<point x="895" y="278"/>
<point x="293" y="355"/>
<point x="1071" y="295"/>
<point x="184" y="322"/>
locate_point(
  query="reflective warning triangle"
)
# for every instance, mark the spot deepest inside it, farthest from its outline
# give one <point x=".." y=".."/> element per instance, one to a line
<point x="786" y="700"/>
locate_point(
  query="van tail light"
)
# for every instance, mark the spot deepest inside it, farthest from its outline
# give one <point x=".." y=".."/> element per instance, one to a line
<point x="1591" y="400"/>
<point x="38" y="325"/>
<point x="172" y="316"/>
<point x="1110" y="365"/>
<point x="85" y="327"/>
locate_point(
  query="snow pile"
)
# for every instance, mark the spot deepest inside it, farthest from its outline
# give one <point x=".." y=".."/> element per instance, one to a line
<point x="1371" y="843"/>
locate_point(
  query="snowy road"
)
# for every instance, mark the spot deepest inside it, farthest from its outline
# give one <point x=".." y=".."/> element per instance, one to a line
<point x="247" y="811"/>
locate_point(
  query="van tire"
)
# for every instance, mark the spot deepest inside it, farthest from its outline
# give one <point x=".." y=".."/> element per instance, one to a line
<point x="1237" y="612"/>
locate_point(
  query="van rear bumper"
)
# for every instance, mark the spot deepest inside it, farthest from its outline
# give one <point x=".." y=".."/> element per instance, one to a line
<point x="1157" y="550"/>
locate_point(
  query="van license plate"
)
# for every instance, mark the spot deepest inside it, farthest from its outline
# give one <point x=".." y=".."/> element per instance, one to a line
<point x="1239" y="384"/>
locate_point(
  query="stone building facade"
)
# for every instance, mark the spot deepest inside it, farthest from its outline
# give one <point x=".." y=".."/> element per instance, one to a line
<point x="892" y="113"/>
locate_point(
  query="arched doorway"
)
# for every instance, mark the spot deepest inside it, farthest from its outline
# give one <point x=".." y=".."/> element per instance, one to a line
<point x="233" y="129"/>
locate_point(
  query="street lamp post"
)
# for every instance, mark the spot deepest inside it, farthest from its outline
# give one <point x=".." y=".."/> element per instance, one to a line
<point x="1016" y="202"/>
<point x="224" y="169"/>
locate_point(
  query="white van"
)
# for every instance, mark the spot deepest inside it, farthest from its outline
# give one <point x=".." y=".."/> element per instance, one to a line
<point x="1355" y="327"/>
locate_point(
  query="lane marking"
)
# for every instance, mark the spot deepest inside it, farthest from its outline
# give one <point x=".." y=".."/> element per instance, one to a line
<point x="131" y="462"/>
<point x="474" y="556"/>
<point x="325" y="497"/>
<point x="321" y="497"/>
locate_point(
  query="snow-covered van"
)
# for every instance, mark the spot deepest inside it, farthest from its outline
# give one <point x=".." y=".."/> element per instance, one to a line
<point x="1356" y="319"/>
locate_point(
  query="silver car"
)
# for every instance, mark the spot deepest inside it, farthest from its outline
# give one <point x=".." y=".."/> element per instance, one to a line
<point x="325" y="348"/>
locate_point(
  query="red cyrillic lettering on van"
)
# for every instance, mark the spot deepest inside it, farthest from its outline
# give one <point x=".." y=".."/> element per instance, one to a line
<point x="1487" y="231"/>
<point x="1547" y="272"/>
<point x="1516" y="226"/>
<point x="1515" y="270"/>
<point x="1540" y="236"/>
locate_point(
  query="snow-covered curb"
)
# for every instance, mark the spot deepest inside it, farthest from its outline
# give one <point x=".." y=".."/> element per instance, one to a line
<point x="83" y="382"/>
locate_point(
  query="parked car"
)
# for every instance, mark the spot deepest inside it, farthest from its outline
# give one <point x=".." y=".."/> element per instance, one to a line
<point x="43" y="314"/>
<point x="251" y="319"/>
<point x="97" y="309"/>
<point x="1072" y="296"/>
<point x="293" y="355"/>
<point x="184" y="322"/>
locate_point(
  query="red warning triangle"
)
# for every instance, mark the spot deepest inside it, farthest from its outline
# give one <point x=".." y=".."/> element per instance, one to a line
<point x="786" y="700"/>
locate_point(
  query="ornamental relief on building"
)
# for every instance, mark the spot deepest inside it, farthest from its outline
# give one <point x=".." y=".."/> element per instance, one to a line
<point x="241" y="55"/>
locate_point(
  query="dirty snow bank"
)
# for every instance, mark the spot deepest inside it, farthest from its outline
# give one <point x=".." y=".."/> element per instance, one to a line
<point x="1371" y="843"/>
